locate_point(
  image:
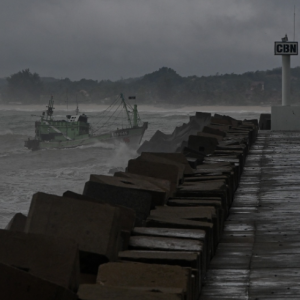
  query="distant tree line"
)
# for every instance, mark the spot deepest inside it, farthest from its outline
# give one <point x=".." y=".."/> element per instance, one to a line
<point x="164" y="86"/>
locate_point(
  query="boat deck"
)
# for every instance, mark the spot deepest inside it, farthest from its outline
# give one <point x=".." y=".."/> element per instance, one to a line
<point x="259" y="253"/>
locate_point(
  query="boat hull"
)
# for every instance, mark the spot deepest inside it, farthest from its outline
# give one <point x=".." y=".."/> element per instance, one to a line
<point x="130" y="136"/>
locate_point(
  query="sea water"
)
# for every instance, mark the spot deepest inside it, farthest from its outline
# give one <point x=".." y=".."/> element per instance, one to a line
<point x="24" y="172"/>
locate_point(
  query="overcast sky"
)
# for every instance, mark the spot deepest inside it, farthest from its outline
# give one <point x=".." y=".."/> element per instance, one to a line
<point x="113" y="39"/>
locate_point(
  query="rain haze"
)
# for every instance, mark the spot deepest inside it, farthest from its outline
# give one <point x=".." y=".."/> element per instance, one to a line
<point x="114" y="39"/>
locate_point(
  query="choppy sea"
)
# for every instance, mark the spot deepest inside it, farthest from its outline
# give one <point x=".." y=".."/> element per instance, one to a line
<point x="23" y="172"/>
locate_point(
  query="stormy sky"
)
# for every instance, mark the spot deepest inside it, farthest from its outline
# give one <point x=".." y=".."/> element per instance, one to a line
<point x="114" y="39"/>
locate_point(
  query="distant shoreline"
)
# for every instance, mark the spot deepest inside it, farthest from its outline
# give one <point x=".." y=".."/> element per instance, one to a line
<point x="147" y="108"/>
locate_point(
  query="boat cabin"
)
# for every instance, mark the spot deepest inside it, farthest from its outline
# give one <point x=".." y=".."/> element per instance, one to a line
<point x="77" y="118"/>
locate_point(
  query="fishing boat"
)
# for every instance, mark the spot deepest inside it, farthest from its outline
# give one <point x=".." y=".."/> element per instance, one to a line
<point x="75" y="130"/>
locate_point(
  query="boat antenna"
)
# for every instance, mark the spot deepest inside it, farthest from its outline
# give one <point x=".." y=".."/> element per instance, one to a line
<point x="50" y="107"/>
<point x="67" y="96"/>
<point x="77" y="109"/>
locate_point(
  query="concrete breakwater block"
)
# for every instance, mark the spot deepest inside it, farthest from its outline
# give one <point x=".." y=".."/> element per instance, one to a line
<point x="204" y="214"/>
<point x="99" y="292"/>
<point x="52" y="258"/>
<point x="223" y="120"/>
<point x="158" y="195"/>
<point x="227" y="159"/>
<point x="17" y="284"/>
<point x="161" y="142"/>
<point x="217" y="186"/>
<point x="138" y="200"/>
<point x="141" y="275"/>
<point x="166" y="171"/>
<point x="196" y="234"/>
<point x="210" y="135"/>
<point x="192" y="234"/>
<point x="176" y="157"/>
<point x="190" y="153"/>
<point x="213" y="188"/>
<point x="152" y="157"/>
<point x="95" y="227"/>
<point x="221" y="210"/>
<point x="161" y="183"/>
<point x="17" y="223"/>
<point x="178" y="223"/>
<point x="219" y="168"/>
<point x="165" y="243"/>
<point x="214" y="131"/>
<point x="176" y="258"/>
<point x="170" y="244"/>
<point x="127" y="215"/>
<point x="203" y="144"/>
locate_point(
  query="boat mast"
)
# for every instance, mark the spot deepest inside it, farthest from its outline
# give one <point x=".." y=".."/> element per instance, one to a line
<point x="126" y="109"/>
<point x="50" y="108"/>
<point x="135" y="116"/>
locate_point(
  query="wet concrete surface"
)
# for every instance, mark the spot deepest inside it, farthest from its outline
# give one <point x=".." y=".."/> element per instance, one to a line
<point x="258" y="256"/>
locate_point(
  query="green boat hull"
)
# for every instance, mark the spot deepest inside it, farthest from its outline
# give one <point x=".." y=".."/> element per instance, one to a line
<point x="129" y="136"/>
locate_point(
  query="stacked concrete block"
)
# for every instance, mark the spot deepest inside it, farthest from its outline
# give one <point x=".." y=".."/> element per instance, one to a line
<point x="121" y="194"/>
<point x="95" y="227"/>
<point x="17" y="223"/>
<point x="18" y="284"/>
<point x="97" y="292"/>
<point x="53" y="258"/>
<point x="158" y="195"/>
<point x="163" y="170"/>
<point x="127" y="215"/>
<point x="203" y="144"/>
<point x="175" y="157"/>
<point x="147" y="276"/>
<point x="165" y="185"/>
<point x="187" y="259"/>
<point x="168" y="143"/>
<point x="170" y="239"/>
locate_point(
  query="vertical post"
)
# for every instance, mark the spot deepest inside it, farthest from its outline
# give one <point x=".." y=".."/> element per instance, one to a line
<point x="135" y="122"/>
<point x="286" y="71"/>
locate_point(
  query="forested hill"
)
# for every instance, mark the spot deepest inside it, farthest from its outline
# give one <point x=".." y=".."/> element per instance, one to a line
<point x="161" y="87"/>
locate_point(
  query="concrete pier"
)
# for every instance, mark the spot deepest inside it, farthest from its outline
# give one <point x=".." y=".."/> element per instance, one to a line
<point x="258" y="256"/>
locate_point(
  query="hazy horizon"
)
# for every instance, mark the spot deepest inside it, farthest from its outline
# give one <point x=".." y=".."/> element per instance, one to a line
<point x="110" y="40"/>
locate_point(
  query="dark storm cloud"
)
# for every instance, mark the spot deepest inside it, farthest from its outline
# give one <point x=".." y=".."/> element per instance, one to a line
<point x="110" y="39"/>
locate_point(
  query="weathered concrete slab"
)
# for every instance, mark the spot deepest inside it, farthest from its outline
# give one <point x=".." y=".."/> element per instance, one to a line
<point x="211" y="130"/>
<point x="139" y="201"/>
<point x="165" y="243"/>
<point x="184" y="259"/>
<point x="19" y="284"/>
<point x="166" y="171"/>
<point x="95" y="227"/>
<point x="161" y="183"/>
<point x="52" y="258"/>
<point x="17" y="223"/>
<point x="158" y="195"/>
<point x="211" y="135"/>
<point x="177" y="223"/>
<point x="142" y="275"/>
<point x="176" y="157"/>
<point x="203" y="144"/>
<point x="97" y="292"/>
<point x="127" y="215"/>
<point x="196" y="234"/>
